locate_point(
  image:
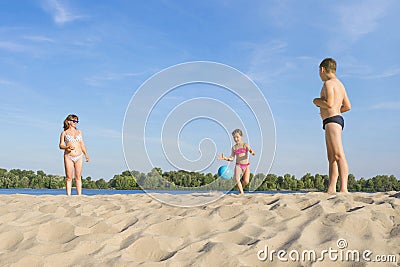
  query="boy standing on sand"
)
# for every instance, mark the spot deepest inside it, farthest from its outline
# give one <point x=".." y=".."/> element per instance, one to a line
<point x="332" y="103"/>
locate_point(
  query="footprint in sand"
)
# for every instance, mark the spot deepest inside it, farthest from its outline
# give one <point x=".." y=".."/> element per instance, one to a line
<point x="366" y="200"/>
<point x="103" y="227"/>
<point x="273" y="201"/>
<point x="356" y="208"/>
<point x="48" y="208"/>
<point x="122" y="222"/>
<point x="127" y="224"/>
<point x="56" y="232"/>
<point x="148" y="249"/>
<point x="251" y="230"/>
<point x="395" y="232"/>
<point x="10" y="240"/>
<point x="235" y="237"/>
<point x="284" y="211"/>
<point x="333" y="219"/>
<point x="192" y="228"/>
<point x="311" y="205"/>
<point x="228" y="212"/>
<point x="29" y="260"/>
<point x="397" y="195"/>
<point x="85" y="221"/>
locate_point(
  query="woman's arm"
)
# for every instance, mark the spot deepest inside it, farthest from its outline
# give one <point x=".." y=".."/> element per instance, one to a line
<point x="62" y="143"/>
<point x="84" y="150"/>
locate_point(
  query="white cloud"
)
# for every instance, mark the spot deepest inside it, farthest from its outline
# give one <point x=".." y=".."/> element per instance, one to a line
<point x="17" y="116"/>
<point x="13" y="47"/>
<point x="357" y="19"/>
<point x="99" y="80"/>
<point x="280" y="12"/>
<point x="88" y="42"/>
<point x="386" y="74"/>
<point x="60" y="12"/>
<point x="18" y="93"/>
<point x="104" y="132"/>
<point x="39" y="39"/>
<point x="354" y="68"/>
<point x="6" y="83"/>
<point x="267" y="60"/>
<point x="386" y="106"/>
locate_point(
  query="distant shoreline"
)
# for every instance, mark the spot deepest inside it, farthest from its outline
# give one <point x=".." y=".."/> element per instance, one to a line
<point x="188" y="181"/>
<point x="92" y="192"/>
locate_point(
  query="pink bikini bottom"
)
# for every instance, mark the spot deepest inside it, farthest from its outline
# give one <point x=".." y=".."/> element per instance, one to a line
<point x="243" y="166"/>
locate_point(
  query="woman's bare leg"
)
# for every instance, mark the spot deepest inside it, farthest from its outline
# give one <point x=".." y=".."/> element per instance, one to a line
<point x="78" y="173"/>
<point x="69" y="167"/>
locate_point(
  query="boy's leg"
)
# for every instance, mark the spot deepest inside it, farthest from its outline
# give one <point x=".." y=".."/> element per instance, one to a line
<point x="238" y="172"/>
<point x="336" y="157"/>
<point x="333" y="167"/>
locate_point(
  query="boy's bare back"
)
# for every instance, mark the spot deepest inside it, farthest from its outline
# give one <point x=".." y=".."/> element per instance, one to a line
<point x="334" y="93"/>
<point x="333" y="100"/>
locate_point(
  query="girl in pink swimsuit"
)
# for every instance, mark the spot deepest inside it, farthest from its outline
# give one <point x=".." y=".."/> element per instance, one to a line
<point x="71" y="142"/>
<point x="240" y="150"/>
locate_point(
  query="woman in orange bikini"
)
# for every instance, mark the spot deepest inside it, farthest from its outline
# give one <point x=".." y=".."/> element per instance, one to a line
<point x="240" y="150"/>
<point x="71" y="142"/>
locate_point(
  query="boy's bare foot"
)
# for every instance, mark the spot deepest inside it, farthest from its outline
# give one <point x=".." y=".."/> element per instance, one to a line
<point x="331" y="192"/>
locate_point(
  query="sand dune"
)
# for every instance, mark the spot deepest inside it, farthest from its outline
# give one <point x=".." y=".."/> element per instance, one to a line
<point x="137" y="230"/>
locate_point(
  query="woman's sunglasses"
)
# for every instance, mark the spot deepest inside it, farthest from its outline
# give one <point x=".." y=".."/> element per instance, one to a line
<point x="75" y="121"/>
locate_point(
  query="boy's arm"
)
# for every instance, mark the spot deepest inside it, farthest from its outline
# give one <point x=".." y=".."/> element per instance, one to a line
<point x="346" y="106"/>
<point x="328" y="102"/>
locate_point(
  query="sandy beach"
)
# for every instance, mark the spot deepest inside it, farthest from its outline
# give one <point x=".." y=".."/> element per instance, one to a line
<point x="137" y="230"/>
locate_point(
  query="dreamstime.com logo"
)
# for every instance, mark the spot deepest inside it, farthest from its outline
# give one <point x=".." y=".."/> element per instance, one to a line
<point x="211" y="99"/>
<point x="342" y="254"/>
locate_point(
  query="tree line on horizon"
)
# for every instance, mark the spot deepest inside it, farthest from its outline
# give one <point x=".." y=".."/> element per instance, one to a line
<point x="175" y="180"/>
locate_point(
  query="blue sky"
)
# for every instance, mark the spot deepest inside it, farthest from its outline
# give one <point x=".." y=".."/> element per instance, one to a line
<point x="89" y="57"/>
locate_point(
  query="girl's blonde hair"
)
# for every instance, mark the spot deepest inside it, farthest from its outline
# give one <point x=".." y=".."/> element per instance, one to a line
<point x="70" y="117"/>
<point x="237" y="131"/>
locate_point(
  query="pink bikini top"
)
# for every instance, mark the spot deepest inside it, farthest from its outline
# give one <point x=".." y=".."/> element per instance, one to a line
<point x="240" y="150"/>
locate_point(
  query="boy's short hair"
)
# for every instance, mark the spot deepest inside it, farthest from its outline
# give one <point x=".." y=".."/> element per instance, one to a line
<point x="237" y="131"/>
<point x="329" y="64"/>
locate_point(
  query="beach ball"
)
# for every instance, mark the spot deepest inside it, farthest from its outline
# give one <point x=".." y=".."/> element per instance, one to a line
<point x="225" y="173"/>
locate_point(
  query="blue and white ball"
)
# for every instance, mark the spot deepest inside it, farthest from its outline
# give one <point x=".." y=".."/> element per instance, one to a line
<point x="225" y="173"/>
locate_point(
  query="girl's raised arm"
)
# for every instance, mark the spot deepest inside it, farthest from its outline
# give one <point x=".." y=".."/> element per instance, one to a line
<point x="250" y="150"/>
<point x="222" y="157"/>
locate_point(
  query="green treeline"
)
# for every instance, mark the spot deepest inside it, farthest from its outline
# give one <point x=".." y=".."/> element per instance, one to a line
<point x="173" y="180"/>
